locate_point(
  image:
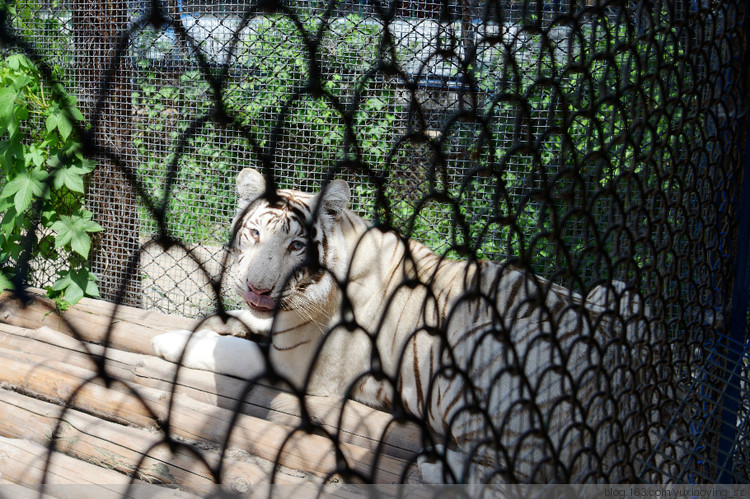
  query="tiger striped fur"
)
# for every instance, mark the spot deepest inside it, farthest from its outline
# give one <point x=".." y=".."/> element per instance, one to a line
<point x="526" y="380"/>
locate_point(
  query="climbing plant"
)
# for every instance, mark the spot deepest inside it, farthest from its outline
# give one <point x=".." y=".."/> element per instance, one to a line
<point x="43" y="182"/>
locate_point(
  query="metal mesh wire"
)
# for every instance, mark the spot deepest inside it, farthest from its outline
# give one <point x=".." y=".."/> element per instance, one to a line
<point x="586" y="142"/>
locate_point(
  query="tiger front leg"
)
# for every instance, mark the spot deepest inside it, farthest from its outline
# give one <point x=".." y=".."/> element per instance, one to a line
<point x="210" y="351"/>
<point x="240" y="323"/>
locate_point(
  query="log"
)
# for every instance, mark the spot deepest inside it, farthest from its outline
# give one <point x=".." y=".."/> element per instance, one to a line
<point x="190" y="419"/>
<point x="91" y="320"/>
<point x="360" y="425"/>
<point x="9" y="489"/>
<point x="59" y="382"/>
<point x="267" y="413"/>
<point x="23" y="463"/>
<point x="120" y="447"/>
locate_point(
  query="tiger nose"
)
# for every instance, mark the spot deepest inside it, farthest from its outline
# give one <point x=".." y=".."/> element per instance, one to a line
<point x="258" y="291"/>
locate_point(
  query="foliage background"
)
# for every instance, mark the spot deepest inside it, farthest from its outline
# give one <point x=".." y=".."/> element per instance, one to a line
<point x="479" y="150"/>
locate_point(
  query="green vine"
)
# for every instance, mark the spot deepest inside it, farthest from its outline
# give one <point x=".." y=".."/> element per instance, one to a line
<point x="43" y="182"/>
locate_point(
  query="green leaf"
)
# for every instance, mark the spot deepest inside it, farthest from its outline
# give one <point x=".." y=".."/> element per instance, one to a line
<point x="34" y="155"/>
<point x="87" y="165"/>
<point x="74" y="231"/>
<point x="5" y="205"/>
<point x="92" y="289"/>
<point x="73" y="293"/>
<point x="77" y="288"/>
<point x="62" y="282"/>
<point x="10" y="150"/>
<point x="51" y="122"/>
<point x="87" y="222"/>
<point x="20" y="62"/>
<point x="75" y="284"/>
<point x="70" y="177"/>
<point x="68" y="233"/>
<point x="75" y="113"/>
<point x="64" y="126"/>
<point x="22" y="81"/>
<point x="25" y="187"/>
<point x="14" y="61"/>
<point x="8" y="97"/>
<point x="5" y="282"/>
<point x="9" y="221"/>
<point x="7" y="100"/>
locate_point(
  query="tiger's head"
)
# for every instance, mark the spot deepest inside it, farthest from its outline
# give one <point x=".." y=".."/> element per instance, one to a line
<point x="286" y="251"/>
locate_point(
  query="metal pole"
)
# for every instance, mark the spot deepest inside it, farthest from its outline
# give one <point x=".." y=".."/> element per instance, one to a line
<point x="97" y="26"/>
<point x="739" y="306"/>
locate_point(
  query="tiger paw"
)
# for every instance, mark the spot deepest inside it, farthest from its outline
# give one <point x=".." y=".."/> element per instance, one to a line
<point x="441" y="466"/>
<point x="170" y="346"/>
<point x="431" y="466"/>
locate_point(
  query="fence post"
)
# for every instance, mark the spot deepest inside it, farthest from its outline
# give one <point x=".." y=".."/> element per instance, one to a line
<point x="737" y="340"/>
<point x="97" y="26"/>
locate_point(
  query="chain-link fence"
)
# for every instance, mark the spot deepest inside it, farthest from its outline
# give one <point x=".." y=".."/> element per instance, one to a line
<point x="589" y="143"/>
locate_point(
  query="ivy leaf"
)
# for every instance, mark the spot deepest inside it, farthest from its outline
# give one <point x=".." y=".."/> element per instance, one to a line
<point x="74" y="231"/>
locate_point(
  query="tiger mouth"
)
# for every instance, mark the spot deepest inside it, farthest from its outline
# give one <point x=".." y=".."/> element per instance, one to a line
<point x="258" y="302"/>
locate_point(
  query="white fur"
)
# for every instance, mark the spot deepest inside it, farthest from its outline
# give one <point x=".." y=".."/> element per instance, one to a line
<point x="210" y="351"/>
<point x="394" y="319"/>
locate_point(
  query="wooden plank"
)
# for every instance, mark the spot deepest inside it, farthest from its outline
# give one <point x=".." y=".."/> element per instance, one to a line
<point x="360" y="425"/>
<point x="190" y="419"/>
<point x="126" y="449"/>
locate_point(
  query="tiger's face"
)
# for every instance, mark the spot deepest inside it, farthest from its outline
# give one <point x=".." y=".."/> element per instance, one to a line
<point x="285" y="256"/>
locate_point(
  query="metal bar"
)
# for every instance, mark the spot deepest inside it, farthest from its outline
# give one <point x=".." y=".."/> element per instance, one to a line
<point x="741" y="287"/>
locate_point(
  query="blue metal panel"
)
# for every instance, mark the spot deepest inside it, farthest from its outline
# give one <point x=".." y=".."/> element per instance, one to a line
<point x="738" y="342"/>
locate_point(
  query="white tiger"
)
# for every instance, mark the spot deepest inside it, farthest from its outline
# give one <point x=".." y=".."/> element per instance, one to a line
<point x="524" y="377"/>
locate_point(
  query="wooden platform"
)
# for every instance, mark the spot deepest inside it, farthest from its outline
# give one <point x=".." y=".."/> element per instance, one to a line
<point x="118" y="427"/>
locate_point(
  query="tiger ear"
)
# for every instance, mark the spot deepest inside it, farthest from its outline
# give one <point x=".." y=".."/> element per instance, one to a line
<point x="250" y="185"/>
<point x="335" y="198"/>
